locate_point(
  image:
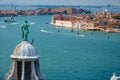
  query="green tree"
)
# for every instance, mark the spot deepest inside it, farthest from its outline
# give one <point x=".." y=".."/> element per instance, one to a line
<point x="117" y="17"/>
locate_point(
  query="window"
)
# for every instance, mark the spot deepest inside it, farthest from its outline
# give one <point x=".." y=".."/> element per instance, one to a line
<point x="27" y="70"/>
<point x="19" y="70"/>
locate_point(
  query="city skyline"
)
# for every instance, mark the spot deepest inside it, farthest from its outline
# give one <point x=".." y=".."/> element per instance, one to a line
<point x="61" y="2"/>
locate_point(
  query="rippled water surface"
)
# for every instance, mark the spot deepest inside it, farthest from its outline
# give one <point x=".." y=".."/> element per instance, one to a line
<point x="64" y="55"/>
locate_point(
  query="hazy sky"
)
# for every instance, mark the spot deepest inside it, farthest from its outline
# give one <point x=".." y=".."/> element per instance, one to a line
<point x="62" y="2"/>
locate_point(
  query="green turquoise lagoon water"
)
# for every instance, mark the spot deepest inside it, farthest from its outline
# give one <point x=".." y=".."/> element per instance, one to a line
<point x="64" y="55"/>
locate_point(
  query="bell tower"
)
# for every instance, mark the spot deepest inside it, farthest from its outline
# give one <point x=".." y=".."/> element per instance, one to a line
<point x="25" y="63"/>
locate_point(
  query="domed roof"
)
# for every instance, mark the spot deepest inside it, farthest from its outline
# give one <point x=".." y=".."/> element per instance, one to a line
<point x="24" y="50"/>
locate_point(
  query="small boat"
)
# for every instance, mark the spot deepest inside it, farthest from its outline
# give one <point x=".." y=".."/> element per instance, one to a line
<point x="78" y="33"/>
<point x="47" y="22"/>
<point x="92" y="33"/>
<point x="58" y="30"/>
<point x="9" y="19"/>
<point x="107" y="36"/>
<point x="71" y="30"/>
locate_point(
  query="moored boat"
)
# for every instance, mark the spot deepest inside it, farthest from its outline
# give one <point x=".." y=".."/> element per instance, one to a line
<point x="9" y="19"/>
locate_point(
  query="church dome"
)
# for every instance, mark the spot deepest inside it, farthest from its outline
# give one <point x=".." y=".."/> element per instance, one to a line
<point x="24" y="50"/>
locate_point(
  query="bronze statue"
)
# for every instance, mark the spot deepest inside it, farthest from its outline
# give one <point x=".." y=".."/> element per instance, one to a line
<point x="25" y="30"/>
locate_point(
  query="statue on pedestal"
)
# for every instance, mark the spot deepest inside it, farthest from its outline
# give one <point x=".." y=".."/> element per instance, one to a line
<point x="25" y="30"/>
<point x="114" y="77"/>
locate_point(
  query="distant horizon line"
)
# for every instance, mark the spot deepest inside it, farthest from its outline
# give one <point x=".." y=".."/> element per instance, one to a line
<point x="8" y="4"/>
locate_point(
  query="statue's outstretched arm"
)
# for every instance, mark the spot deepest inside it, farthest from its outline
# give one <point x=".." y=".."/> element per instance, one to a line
<point x="118" y="77"/>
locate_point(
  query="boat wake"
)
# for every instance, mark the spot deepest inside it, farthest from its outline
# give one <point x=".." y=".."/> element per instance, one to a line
<point x="2" y="22"/>
<point x="45" y="31"/>
<point x="3" y="26"/>
<point x="75" y="35"/>
<point x="14" y="23"/>
<point x="31" y="23"/>
<point x="81" y="35"/>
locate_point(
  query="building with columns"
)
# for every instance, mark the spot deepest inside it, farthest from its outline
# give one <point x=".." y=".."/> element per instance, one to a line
<point x="25" y="62"/>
